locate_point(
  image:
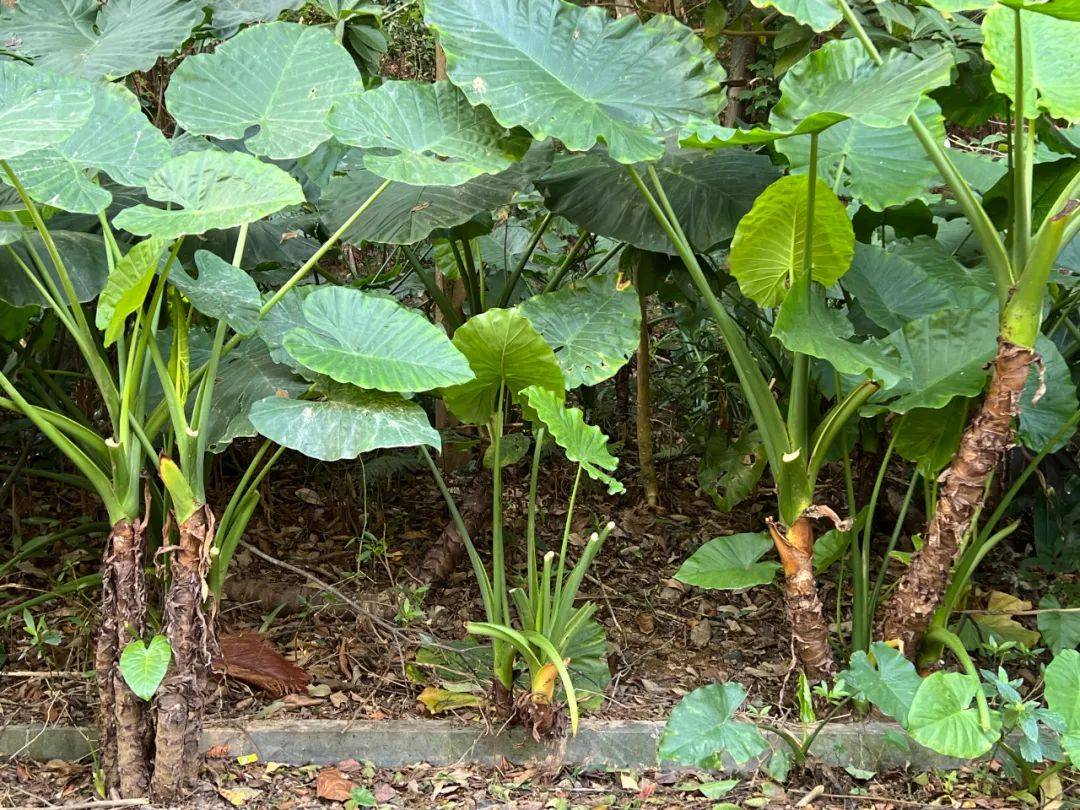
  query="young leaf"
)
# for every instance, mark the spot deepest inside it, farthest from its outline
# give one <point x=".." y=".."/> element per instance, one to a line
<point x="889" y="680"/>
<point x="222" y="291"/>
<point x="702" y="729"/>
<point x="215" y="190"/>
<point x="126" y="287"/>
<point x="730" y="563"/>
<point x="942" y="719"/>
<point x="502" y="348"/>
<point x="144" y="665"/>
<point x="577" y="74"/>
<point x="281" y="77"/>
<point x="116" y="139"/>
<point x="373" y="342"/>
<point x="425" y="134"/>
<point x="38" y="108"/>
<point x="184" y="499"/>
<point x="767" y="251"/>
<point x="96" y="41"/>
<point x="593" y="326"/>
<point x="348" y="422"/>
<point x="584" y="444"/>
<point x="1063" y="698"/>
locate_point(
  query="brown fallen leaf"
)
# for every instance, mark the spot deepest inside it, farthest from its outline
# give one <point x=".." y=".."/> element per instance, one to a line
<point x="332" y="786"/>
<point x="301" y="701"/>
<point x="645" y="623"/>
<point x="217" y="751"/>
<point x="251" y="658"/>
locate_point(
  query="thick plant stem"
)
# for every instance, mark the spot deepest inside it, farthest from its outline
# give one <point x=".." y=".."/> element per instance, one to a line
<point x="644" y="412"/>
<point x="179" y="700"/>
<point x="125" y="732"/>
<point x="809" y="631"/>
<point x="985" y="439"/>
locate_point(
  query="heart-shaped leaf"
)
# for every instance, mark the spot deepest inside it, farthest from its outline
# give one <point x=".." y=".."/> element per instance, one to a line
<point x="38" y="108"/>
<point x="593" y="326"/>
<point x="95" y="40"/>
<point x="214" y="190"/>
<point x="425" y="134"/>
<point x="503" y="349"/>
<point x="730" y="563"/>
<point x="348" y="422"/>
<point x="280" y="77"/>
<point x="584" y="444"/>
<point x="577" y="74"/>
<point x="888" y="680"/>
<point x="941" y="717"/>
<point x="144" y="665"/>
<point x="373" y="342"/>
<point x="767" y="251"/>
<point x="222" y="291"/>
<point x="702" y="729"/>
<point x="116" y="139"/>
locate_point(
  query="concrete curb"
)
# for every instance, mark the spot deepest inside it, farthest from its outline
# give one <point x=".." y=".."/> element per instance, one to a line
<point x="600" y="744"/>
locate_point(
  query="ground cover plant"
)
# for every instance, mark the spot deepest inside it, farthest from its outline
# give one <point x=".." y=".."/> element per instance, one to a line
<point x="239" y="238"/>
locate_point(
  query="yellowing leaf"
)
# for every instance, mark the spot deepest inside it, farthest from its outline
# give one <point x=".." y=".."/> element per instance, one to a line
<point x="442" y="700"/>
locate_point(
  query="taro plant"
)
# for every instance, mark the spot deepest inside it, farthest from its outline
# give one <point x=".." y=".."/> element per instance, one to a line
<point x="513" y="365"/>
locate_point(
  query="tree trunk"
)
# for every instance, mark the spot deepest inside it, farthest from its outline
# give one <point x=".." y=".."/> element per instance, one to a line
<point x="444" y="556"/>
<point x="179" y="700"/>
<point x="125" y="730"/>
<point x="743" y="50"/>
<point x="644" y="412"/>
<point x="985" y="440"/>
<point x="809" y="629"/>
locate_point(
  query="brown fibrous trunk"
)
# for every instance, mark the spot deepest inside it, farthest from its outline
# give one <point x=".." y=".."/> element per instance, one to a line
<point x="982" y="446"/>
<point x="125" y="729"/>
<point x="809" y="631"/>
<point x="446" y="553"/>
<point x="179" y="699"/>
<point x="646" y="465"/>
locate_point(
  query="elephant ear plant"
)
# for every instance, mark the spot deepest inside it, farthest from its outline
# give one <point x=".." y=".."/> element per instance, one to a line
<point x="328" y="372"/>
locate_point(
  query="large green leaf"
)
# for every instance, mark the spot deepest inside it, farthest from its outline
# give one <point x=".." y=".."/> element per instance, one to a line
<point x="226" y="16"/>
<point x="946" y="354"/>
<point x="222" y="291"/>
<point x="425" y="134"/>
<point x="280" y="77"/>
<point x="373" y="342"/>
<point x="127" y="286"/>
<point x="83" y="255"/>
<point x="94" y="40"/>
<point x="214" y="190"/>
<point x="888" y="680"/>
<point x="350" y="421"/>
<point x="404" y="214"/>
<point x="709" y="193"/>
<point x="286" y="315"/>
<point x="1062" y="9"/>
<point x="840" y="78"/>
<point x="821" y="15"/>
<point x="879" y="166"/>
<point x="767" y="251"/>
<point x="143" y="666"/>
<point x="1041" y="420"/>
<point x="1063" y="698"/>
<point x="246" y="375"/>
<point x="702" y="729"/>
<point x="730" y="563"/>
<point x="38" y="108"/>
<point x="575" y="73"/>
<point x="941" y="717"/>
<point x="897" y="286"/>
<point x="503" y="349"/>
<point x="1060" y="628"/>
<point x="929" y="437"/>
<point x="584" y="444"/>
<point x="807" y="324"/>
<point x="116" y="139"/>
<point x="1051" y="61"/>
<point x="593" y="326"/>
